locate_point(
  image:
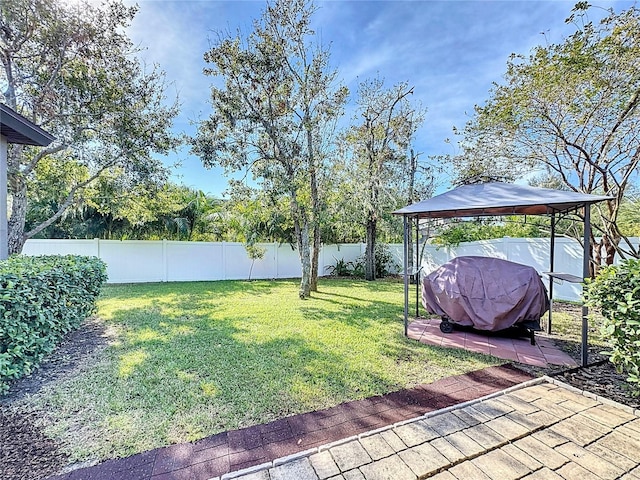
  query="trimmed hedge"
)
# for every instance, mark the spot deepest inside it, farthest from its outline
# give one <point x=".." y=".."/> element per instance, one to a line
<point x="41" y="299"/>
<point x="616" y="292"/>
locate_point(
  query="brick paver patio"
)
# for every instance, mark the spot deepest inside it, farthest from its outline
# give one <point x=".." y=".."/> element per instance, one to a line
<point x="542" y="354"/>
<point x="539" y="430"/>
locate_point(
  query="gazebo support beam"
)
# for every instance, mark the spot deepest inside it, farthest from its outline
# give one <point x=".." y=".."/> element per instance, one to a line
<point x="416" y="267"/>
<point x="552" y="256"/>
<point x="406" y="232"/>
<point x="586" y="273"/>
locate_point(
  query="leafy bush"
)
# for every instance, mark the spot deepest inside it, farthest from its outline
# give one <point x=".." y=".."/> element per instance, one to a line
<point x="359" y="270"/>
<point x="342" y="268"/>
<point x="616" y="292"/>
<point x="41" y="299"/>
<point x="384" y="262"/>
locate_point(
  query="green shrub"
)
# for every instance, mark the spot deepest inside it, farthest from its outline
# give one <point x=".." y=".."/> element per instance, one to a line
<point x="384" y="262"/>
<point x="42" y="299"/>
<point x="616" y="292"/>
<point x="342" y="268"/>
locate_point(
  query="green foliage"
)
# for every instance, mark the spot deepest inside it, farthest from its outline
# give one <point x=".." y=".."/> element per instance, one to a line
<point x="275" y="104"/>
<point x="384" y="262"/>
<point x="458" y="232"/>
<point x="569" y="109"/>
<point x="41" y="299"/>
<point x="255" y="252"/>
<point x="616" y="292"/>
<point x="379" y="170"/>
<point x="342" y="268"/>
<point x="253" y="217"/>
<point x="73" y="70"/>
<point x="114" y="207"/>
<point x="629" y="216"/>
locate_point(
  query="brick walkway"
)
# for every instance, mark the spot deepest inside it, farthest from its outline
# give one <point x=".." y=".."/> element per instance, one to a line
<point x="538" y="431"/>
<point x="235" y="450"/>
<point x="543" y="353"/>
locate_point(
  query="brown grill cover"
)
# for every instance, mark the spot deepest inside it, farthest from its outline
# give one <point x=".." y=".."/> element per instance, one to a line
<point x="486" y="293"/>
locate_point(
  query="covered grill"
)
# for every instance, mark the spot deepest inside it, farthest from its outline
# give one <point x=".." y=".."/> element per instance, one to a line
<point x="485" y="293"/>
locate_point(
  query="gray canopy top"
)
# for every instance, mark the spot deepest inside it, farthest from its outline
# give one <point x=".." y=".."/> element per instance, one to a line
<point x="495" y="199"/>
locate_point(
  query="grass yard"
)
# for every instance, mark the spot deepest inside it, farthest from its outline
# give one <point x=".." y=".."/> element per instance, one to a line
<point x="187" y="360"/>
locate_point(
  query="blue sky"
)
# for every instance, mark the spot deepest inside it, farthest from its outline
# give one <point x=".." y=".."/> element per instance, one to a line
<point x="450" y="51"/>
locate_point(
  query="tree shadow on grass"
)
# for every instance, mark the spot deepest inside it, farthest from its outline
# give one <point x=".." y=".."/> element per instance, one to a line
<point x="219" y="287"/>
<point x="355" y="314"/>
<point x="171" y="379"/>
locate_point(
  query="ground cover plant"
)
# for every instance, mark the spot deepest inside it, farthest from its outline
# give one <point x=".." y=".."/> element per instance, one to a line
<point x="187" y="360"/>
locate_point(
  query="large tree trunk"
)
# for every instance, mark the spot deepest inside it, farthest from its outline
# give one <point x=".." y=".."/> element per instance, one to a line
<point x="315" y="212"/>
<point x="603" y="252"/>
<point x="369" y="256"/>
<point x="610" y="244"/>
<point x="301" y="226"/>
<point x="305" y="260"/>
<point x="18" y="215"/>
<point x="315" y="256"/>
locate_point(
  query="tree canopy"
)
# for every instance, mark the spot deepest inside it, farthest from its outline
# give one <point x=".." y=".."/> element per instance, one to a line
<point x="273" y="113"/>
<point x="570" y="111"/>
<point x="377" y="158"/>
<point x="72" y="70"/>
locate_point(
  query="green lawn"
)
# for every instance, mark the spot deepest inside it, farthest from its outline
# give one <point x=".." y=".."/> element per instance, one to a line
<point x="187" y="360"/>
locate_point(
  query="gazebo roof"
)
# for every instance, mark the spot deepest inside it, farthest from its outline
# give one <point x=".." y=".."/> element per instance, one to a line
<point x="18" y="129"/>
<point x="495" y="199"/>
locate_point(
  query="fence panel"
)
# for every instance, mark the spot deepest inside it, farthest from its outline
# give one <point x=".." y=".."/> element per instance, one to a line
<point x="132" y="261"/>
<point x="62" y="247"/>
<point x="288" y="263"/>
<point x="193" y="261"/>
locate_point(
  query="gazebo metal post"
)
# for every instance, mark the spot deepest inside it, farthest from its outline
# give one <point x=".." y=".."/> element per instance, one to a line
<point x="551" y="267"/>
<point x="406" y="232"/>
<point x="417" y="267"/>
<point x="586" y="259"/>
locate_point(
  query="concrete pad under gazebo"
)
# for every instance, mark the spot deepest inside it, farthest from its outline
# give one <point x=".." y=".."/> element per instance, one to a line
<point x="499" y="199"/>
<point x="14" y="128"/>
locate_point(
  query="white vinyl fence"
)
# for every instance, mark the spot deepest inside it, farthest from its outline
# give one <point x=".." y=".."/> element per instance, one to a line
<point x="135" y="261"/>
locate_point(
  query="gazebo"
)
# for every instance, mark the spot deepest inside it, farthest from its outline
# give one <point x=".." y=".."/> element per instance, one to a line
<point x="500" y="199"/>
<point x="14" y="128"/>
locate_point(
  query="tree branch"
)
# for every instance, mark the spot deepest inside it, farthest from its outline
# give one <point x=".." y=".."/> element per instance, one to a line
<point x="67" y="202"/>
